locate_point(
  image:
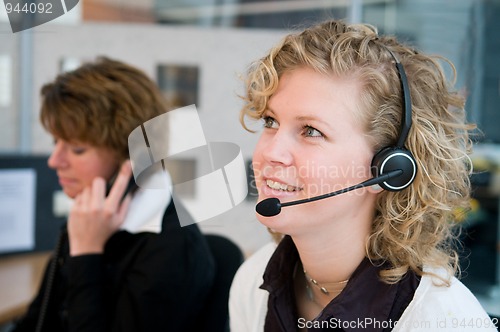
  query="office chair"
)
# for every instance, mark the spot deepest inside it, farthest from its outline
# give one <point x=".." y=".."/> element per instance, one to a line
<point x="228" y="257"/>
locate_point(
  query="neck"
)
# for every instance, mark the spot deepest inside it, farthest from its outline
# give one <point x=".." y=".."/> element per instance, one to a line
<point x="330" y="252"/>
<point x="331" y="256"/>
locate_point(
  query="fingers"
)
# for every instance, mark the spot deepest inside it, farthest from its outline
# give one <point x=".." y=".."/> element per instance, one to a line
<point x="122" y="211"/>
<point x="84" y="198"/>
<point x="98" y="192"/>
<point x="117" y="191"/>
<point x="94" y="218"/>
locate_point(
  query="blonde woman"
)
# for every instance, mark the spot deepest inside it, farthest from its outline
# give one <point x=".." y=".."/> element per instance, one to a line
<point x="341" y="105"/>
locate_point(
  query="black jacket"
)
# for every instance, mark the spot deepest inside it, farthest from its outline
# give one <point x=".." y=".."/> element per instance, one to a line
<point x="142" y="282"/>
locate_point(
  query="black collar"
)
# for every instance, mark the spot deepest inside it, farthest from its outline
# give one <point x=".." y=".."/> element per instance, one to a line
<point x="365" y="302"/>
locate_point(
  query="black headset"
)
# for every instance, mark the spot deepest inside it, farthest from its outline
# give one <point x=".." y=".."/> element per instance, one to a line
<point x="397" y="157"/>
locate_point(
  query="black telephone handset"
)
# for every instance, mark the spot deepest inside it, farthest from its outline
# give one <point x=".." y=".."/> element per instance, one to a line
<point x="131" y="186"/>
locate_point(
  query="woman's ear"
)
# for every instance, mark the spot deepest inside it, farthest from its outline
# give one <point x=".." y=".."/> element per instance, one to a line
<point x="375" y="189"/>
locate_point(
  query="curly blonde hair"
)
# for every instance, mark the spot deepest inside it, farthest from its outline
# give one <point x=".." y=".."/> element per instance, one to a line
<point x="414" y="227"/>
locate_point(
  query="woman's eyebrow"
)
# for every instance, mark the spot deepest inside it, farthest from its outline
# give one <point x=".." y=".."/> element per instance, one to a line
<point x="313" y="118"/>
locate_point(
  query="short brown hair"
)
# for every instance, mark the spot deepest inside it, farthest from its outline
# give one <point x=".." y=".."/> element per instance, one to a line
<point x="100" y="103"/>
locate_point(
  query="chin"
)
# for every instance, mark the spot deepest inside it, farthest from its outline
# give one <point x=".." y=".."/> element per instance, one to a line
<point x="71" y="193"/>
<point x="284" y="223"/>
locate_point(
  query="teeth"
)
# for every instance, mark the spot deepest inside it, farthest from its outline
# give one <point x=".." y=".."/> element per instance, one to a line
<point x="280" y="186"/>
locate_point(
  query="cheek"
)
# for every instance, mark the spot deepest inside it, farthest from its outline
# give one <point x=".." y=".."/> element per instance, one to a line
<point x="259" y="147"/>
<point x="258" y="159"/>
<point x="98" y="168"/>
<point x="87" y="174"/>
<point x="322" y="173"/>
<point x="107" y="171"/>
<point x="318" y="174"/>
<point x="106" y="165"/>
<point x="257" y="172"/>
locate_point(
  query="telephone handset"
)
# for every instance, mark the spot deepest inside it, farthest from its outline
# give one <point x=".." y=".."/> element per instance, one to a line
<point x="131" y="186"/>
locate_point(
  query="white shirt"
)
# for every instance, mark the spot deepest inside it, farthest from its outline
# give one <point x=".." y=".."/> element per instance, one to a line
<point x="433" y="308"/>
<point x="145" y="213"/>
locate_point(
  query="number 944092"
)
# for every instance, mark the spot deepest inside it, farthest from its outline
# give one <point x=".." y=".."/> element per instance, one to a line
<point x="32" y="8"/>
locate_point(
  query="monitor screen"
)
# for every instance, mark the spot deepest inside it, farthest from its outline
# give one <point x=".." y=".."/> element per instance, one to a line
<point x="30" y="213"/>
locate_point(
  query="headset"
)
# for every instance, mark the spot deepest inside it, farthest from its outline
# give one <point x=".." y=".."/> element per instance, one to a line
<point x="397" y="157"/>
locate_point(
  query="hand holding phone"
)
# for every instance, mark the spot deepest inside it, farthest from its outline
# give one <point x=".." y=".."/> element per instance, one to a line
<point x="96" y="216"/>
<point x="130" y="188"/>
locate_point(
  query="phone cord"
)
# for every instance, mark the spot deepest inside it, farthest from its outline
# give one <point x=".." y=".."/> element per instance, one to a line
<point x="50" y="282"/>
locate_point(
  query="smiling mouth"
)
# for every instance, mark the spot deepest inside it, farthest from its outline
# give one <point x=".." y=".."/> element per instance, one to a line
<point x="281" y="186"/>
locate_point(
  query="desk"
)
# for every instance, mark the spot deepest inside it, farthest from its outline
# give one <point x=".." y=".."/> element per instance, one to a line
<point x="20" y="277"/>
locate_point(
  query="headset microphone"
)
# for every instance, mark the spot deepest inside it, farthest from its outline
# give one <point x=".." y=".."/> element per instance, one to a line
<point x="271" y="207"/>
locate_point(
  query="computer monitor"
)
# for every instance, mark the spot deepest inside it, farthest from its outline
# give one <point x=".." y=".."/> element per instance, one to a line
<point x="29" y="187"/>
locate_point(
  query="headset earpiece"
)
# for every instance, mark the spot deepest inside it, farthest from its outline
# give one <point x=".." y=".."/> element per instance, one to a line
<point x="392" y="159"/>
<point x="396" y="157"/>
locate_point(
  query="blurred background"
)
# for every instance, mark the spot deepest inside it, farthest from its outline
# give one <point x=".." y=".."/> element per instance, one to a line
<point x="197" y="51"/>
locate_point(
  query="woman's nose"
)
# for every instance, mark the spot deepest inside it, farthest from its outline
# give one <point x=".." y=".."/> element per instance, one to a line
<point x="57" y="158"/>
<point x="278" y="149"/>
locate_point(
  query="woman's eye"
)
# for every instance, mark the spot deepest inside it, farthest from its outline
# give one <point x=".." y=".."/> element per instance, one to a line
<point x="270" y="122"/>
<point x="78" y="150"/>
<point x="312" y="132"/>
